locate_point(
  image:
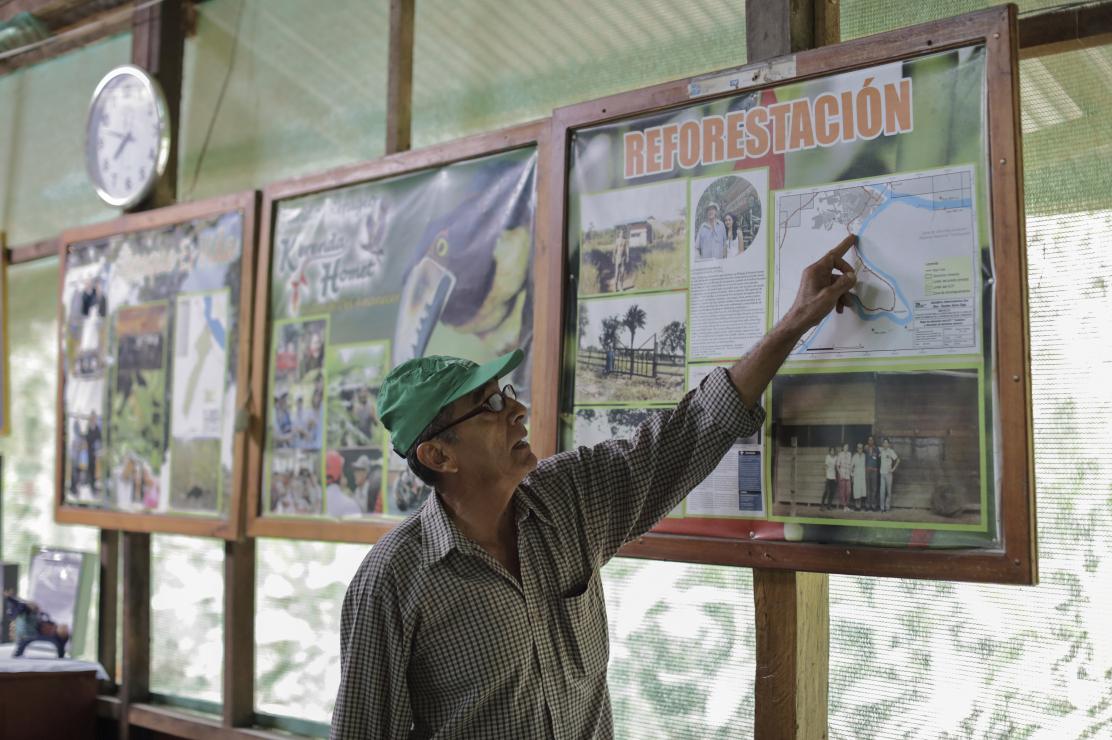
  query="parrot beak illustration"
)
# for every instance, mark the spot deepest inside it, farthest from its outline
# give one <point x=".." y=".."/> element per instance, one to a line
<point x="424" y="295"/>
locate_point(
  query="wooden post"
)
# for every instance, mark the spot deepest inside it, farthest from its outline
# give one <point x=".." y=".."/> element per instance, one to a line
<point x="239" y="633"/>
<point x="793" y="619"/>
<point x="135" y="681"/>
<point x="106" y="604"/>
<point x="792" y="609"/>
<point x="158" y="46"/>
<point x="399" y="81"/>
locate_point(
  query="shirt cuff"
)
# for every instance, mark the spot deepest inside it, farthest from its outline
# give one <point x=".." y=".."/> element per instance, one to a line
<point x="726" y="407"/>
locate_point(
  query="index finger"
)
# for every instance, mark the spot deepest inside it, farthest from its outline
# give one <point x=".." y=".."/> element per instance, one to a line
<point x="843" y="246"/>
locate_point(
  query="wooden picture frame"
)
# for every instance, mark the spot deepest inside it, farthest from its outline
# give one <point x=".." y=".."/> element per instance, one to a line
<point x="5" y="343"/>
<point x="230" y="527"/>
<point x="547" y="272"/>
<point x="996" y="28"/>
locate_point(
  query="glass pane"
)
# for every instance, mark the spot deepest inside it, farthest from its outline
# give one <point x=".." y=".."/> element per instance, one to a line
<point x="682" y="649"/>
<point x="43" y="186"/>
<point x="478" y="67"/>
<point x="300" y="589"/>
<point x="187" y="617"/>
<point x="280" y="88"/>
<point x="28" y="451"/>
<point x="962" y="660"/>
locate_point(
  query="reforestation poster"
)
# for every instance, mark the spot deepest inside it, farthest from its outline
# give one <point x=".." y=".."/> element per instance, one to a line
<point x="148" y="345"/>
<point x="688" y="232"/>
<point x="365" y="277"/>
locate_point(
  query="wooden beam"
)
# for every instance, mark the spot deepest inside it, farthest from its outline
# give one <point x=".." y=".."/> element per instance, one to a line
<point x="399" y="81"/>
<point x="158" y="46"/>
<point x="135" y="684"/>
<point x="87" y="31"/>
<point x="778" y="27"/>
<point x="107" y="601"/>
<point x="791" y="608"/>
<point x="792" y="614"/>
<point x="239" y="633"/>
<point x="1065" y="29"/>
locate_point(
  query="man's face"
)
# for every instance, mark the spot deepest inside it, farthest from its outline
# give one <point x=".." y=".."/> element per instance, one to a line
<point x="712" y="215"/>
<point x="492" y="446"/>
<point x="360" y="476"/>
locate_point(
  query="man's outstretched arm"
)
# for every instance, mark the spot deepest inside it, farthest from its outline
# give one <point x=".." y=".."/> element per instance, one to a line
<point x="821" y="289"/>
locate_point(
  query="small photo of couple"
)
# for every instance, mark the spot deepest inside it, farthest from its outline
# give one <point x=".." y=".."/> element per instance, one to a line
<point x="728" y="217"/>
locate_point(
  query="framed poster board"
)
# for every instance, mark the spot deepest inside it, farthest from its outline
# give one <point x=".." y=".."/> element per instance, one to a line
<point x="153" y="368"/>
<point x="898" y="433"/>
<point x="419" y="253"/>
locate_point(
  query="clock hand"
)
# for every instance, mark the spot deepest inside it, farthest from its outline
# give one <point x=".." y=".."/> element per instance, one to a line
<point x="123" y="143"/>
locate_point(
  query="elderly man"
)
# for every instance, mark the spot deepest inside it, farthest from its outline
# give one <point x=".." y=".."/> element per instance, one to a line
<point x="482" y="615"/>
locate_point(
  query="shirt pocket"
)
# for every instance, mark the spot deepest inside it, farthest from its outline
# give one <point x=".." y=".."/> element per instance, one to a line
<point x="587" y="636"/>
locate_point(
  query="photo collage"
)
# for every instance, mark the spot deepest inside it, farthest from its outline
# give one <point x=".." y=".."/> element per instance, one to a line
<point x="686" y="253"/>
<point x="363" y="278"/>
<point x="671" y="284"/>
<point x="148" y="347"/>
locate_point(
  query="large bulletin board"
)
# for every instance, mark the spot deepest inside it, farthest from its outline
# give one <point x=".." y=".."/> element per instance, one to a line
<point x="425" y="252"/>
<point x="153" y="340"/>
<point x="897" y="439"/>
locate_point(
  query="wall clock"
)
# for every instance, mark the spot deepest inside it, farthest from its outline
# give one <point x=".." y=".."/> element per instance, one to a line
<point x="127" y="136"/>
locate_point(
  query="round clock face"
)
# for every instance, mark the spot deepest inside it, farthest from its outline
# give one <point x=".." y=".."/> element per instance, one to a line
<point x="127" y="139"/>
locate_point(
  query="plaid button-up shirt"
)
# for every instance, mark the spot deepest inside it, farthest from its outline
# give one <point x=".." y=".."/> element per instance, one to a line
<point x="439" y="640"/>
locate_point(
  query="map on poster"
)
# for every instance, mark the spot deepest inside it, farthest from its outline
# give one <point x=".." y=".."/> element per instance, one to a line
<point x="916" y="263"/>
<point x="200" y="358"/>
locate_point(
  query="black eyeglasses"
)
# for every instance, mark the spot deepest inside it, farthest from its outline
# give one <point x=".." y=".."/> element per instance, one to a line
<point x="493" y="404"/>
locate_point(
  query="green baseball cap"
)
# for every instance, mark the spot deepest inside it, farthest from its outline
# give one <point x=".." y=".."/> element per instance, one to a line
<point x="414" y="392"/>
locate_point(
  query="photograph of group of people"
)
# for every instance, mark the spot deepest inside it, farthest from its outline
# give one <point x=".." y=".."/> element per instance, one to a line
<point x="887" y="446"/>
<point x="356" y="440"/>
<point x="727" y="219"/>
<point x="633" y="239"/>
<point x="296" y="435"/>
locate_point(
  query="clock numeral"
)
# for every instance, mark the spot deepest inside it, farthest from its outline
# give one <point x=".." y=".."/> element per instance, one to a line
<point x="142" y="173"/>
<point x="104" y="164"/>
<point x="127" y="183"/>
<point x="150" y="153"/>
<point x="100" y="142"/>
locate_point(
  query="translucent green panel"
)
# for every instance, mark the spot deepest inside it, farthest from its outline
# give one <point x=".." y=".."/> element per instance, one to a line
<point x="28" y="452"/>
<point x="43" y="184"/>
<point x="300" y="589"/>
<point x="682" y="650"/>
<point x="866" y="17"/>
<point x="298" y="89"/>
<point x="187" y="617"/>
<point x="483" y="64"/>
<point x="961" y="660"/>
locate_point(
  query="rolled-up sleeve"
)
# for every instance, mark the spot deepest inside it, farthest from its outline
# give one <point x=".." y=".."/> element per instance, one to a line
<point x="625" y="486"/>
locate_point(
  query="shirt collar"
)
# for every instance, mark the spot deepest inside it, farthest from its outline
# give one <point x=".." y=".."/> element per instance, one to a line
<point x="440" y="536"/>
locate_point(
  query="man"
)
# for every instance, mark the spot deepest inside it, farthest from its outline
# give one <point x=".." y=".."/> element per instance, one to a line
<point x="844" y="466"/>
<point x="336" y="499"/>
<point x="283" y="424"/>
<point x="366" y="488"/>
<point x="710" y="241"/>
<point x="619" y="256"/>
<point x="363" y="411"/>
<point x="872" y="475"/>
<point x="831" y="485"/>
<point x="482" y="615"/>
<point x="889" y="461"/>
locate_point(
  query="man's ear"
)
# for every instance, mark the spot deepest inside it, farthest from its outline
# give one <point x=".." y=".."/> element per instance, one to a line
<point x="436" y="457"/>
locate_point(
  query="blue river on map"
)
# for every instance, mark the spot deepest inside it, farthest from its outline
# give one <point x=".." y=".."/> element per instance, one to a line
<point x="214" y="324"/>
<point x="890" y="197"/>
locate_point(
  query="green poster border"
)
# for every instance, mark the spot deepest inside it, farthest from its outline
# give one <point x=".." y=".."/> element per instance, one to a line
<point x="935" y="364"/>
<point x="631" y="404"/>
<point x="268" y="447"/>
<point x="384" y="435"/>
<point x="579" y="296"/>
<point x="109" y="394"/>
<point x="978" y="298"/>
<point x="170" y="443"/>
<point x="768" y="249"/>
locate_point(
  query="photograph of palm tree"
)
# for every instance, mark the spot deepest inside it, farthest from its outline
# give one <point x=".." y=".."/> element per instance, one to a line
<point x="631" y="350"/>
